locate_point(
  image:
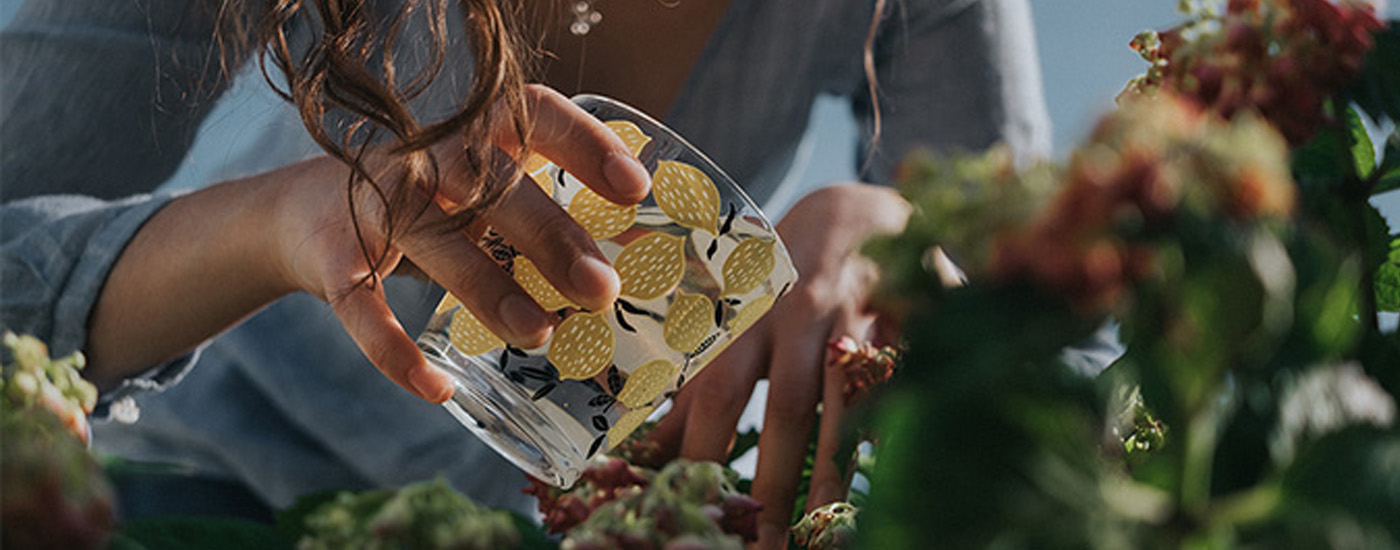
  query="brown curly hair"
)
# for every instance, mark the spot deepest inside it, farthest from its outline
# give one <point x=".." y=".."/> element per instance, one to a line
<point x="348" y="72"/>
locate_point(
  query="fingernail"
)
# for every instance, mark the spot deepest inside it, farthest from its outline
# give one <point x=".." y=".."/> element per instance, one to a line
<point x="626" y="173"/>
<point x="524" y="318"/>
<point x="595" y="278"/>
<point x="430" y="384"/>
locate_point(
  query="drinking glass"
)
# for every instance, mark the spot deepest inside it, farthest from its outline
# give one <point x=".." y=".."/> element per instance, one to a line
<point x="699" y="264"/>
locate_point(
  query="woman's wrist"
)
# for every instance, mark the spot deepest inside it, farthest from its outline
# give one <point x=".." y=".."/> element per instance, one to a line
<point x="197" y="266"/>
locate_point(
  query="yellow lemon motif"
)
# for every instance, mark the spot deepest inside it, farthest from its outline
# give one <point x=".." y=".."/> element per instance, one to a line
<point x="529" y="278"/>
<point x="582" y="346"/>
<point x="627" y="424"/>
<point x="631" y="135"/>
<point x="536" y="166"/>
<point x="650" y="266"/>
<point x="646" y="383"/>
<point x="687" y="195"/>
<point x="688" y="320"/>
<point x="601" y="217"/>
<point x="750" y="314"/>
<point x="469" y="336"/>
<point x="747" y="266"/>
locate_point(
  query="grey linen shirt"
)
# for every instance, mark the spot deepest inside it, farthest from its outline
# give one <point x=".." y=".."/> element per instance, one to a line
<point x="102" y="98"/>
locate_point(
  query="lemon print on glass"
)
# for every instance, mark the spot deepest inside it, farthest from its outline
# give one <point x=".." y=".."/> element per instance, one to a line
<point x="748" y="266"/>
<point x="686" y="195"/>
<point x="751" y="313"/>
<point x="582" y="346"/>
<point x="687" y="321"/>
<point x="529" y="278"/>
<point x="469" y="336"/>
<point x="647" y="382"/>
<point x="627" y="424"/>
<point x="631" y="135"/>
<point x="601" y="217"/>
<point x="650" y="266"/>
<point x="537" y="167"/>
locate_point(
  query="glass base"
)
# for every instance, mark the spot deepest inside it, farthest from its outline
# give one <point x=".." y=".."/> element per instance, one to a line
<point x="498" y="411"/>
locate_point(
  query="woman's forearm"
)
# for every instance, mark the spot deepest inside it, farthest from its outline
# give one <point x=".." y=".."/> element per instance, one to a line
<point x="196" y="268"/>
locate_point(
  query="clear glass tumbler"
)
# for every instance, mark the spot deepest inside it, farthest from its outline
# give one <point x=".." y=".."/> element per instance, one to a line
<point x="699" y="264"/>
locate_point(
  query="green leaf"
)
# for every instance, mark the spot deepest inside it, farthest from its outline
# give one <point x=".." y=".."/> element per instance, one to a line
<point x="1321" y="162"/>
<point x="1388" y="280"/>
<point x="742" y="443"/>
<point x="1363" y="152"/>
<point x="1389" y="174"/>
<point x="1389" y="181"/>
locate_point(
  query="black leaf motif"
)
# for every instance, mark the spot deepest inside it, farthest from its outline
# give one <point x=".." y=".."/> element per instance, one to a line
<point x="600" y="423"/>
<point x="543" y="391"/>
<point x="516" y="377"/>
<point x="714" y="247"/>
<point x="629" y="307"/>
<point x="614" y="380"/>
<point x="505" y="358"/>
<point x="785" y="289"/>
<point x="516" y="351"/>
<point x="597" y="444"/>
<point x="709" y="341"/>
<point x="728" y="220"/>
<point x="622" y="320"/>
<point x="719" y="312"/>
<point x="601" y="400"/>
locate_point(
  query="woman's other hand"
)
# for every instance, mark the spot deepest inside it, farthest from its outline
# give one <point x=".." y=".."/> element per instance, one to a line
<point x="823" y="233"/>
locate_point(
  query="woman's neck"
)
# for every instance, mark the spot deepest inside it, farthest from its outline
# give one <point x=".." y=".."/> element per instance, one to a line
<point x="641" y="51"/>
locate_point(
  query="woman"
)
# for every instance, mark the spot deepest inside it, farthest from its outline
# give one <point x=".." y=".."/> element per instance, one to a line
<point x="739" y="80"/>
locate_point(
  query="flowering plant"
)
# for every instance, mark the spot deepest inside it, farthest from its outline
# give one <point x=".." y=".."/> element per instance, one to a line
<point x="1220" y="217"/>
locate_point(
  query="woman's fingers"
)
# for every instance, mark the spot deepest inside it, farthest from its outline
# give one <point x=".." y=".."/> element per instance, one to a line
<point x="581" y="145"/>
<point x="793" y="391"/>
<point x="829" y="478"/>
<point x="455" y="261"/>
<point x="556" y="246"/>
<point x="717" y="397"/>
<point x="379" y="335"/>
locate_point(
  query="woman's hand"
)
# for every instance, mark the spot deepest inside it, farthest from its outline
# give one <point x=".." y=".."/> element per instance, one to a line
<point x="823" y="233"/>
<point x="214" y="257"/>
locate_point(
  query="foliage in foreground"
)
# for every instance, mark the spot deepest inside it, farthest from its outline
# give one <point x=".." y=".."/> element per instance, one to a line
<point x="1221" y="216"/>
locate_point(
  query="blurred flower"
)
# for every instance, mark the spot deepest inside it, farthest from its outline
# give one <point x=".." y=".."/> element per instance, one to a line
<point x="1143" y="165"/>
<point x="55" y="493"/>
<point x="1278" y="58"/>
<point x="830" y="527"/>
<point x="863" y="365"/>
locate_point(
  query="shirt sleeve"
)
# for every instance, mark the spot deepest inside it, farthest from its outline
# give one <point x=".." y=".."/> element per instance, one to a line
<point x="953" y="75"/>
<point x="55" y="254"/>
